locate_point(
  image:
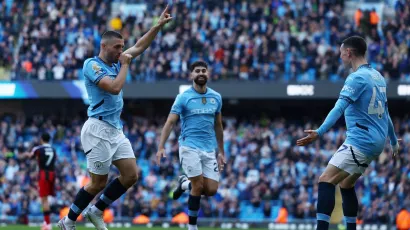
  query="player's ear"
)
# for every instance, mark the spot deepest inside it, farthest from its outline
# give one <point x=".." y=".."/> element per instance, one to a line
<point x="103" y="44"/>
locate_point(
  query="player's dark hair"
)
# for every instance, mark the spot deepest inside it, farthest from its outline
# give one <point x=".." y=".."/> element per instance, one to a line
<point x="45" y="137"/>
<point x="357" y="43"/>
<point x="198" y="63"/>
<point x="111" y="34"/>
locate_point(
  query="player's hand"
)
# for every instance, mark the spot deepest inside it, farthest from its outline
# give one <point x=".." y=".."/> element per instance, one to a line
<point x="395" y="148"/>
<point x="311" y="137"/>
<point x="160" y="154"/>
<point x="125" y="59"/>
<point x="165" y="17"/>
<point x="221" y="162"/>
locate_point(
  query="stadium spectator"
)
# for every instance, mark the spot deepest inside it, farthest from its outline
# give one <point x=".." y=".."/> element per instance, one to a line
<point x="246" y="40"/>
<point x="262" y="159"/>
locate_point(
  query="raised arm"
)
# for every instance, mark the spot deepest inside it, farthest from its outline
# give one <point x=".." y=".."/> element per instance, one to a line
<point x="146" y="40"/>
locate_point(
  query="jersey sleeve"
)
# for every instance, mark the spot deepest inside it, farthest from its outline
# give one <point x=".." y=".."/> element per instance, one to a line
<point x="177" y="106"/>
<point x="353" y="88"/>
<point x="94" y="71"/>
<point x="34" y="152"/>
<point x="333" y="116"/>
<point x="219" y="109"/>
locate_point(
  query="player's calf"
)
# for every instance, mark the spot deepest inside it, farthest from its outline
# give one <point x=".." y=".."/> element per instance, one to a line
<point x="194" y="201"/>
<point x="118" y="186"/>
<point x="46" y="210"/>
<point x="113" y="191"/>
<point x="81" y="201"/>
<point x="325" y="205"/>
<point x="350" y="203"/>
<point x="350" y="207"/>
<point x="85" y="196"/>
<point x="326" y="197"/>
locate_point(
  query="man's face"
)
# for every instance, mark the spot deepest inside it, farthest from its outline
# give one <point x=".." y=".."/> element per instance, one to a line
<point x="200" y="75"/>
<point x="113" y="48"/>
<point x="346" y="56"/>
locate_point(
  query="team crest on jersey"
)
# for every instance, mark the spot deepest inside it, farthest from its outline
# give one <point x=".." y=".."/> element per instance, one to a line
<point x="97" y="69"/>
<point x="204" y="100"/>
<point x="212" y="100"/>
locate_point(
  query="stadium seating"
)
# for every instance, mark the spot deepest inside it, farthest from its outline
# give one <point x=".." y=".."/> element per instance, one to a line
<point x="261" y="40"/>
<point x="288" y="180"/>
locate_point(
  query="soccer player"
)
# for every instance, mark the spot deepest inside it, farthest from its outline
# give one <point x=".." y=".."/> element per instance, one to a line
<point x="102" y="137"/>
<point x="364" y="103"/>
<point x="199" y="108"/>
<point x="46" y="157"/>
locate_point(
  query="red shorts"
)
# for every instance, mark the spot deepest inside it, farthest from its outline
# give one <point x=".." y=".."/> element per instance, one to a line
<point x="46" y="181"/>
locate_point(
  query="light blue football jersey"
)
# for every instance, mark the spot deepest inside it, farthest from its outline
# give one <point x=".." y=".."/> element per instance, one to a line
<point x="366" y="117"/>
<point x="197" y="113"/>
<point x="103" y="105"/>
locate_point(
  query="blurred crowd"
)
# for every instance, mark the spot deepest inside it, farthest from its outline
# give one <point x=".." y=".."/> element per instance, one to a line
<point x="265" y="170"/>
<point x="261" y="40"/>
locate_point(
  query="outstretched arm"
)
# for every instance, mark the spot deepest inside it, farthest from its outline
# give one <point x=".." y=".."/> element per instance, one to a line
<point x="333" y="116"/>
<point x="146" y="40"/>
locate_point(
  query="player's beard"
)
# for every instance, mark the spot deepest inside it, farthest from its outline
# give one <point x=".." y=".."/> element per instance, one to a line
<point x="200" y="82"/>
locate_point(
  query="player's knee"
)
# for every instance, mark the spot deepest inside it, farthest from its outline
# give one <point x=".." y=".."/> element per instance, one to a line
<point x="346" y="185"/>
<point x="97" y="186"/>
<point x="325" y="178"/>
<point x="131" y="179"/>
<point x="210" y="191"/>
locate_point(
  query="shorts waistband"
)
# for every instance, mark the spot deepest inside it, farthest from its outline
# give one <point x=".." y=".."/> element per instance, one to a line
<point x="102" y="122"/>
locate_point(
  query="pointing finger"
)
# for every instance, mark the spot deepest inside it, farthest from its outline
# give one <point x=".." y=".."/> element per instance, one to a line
<point x="166" y="9"/>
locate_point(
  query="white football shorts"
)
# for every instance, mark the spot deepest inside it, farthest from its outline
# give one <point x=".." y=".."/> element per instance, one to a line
<point x="350" y="159"/>
<point x="196" y="162"/>
<point x="103" y="144"/>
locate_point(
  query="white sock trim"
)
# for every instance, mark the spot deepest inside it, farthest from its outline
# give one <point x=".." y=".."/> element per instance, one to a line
<point x="96" y="210"/>
<point x="185" y="185"/>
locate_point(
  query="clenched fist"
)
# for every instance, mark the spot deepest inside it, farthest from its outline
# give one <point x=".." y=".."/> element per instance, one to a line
<point x="125" y="59"/>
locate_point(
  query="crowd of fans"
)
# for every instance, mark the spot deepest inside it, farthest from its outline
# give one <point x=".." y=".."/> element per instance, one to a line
<point x="247" y="40"/>
<point x="265" y="170"/>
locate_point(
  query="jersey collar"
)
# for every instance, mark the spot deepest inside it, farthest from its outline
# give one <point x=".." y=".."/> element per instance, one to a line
<point x="364" y="66"/>
<point x="199" y="92"/>
<point x="101" y="60"/>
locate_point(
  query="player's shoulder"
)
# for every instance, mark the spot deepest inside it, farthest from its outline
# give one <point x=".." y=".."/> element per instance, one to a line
<point x="213" y="93"/>
<point x="90" y="61"/>
<point x="183" y="96"/>
<point x="356" y="78"/>
<point x="37" y="148"/>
